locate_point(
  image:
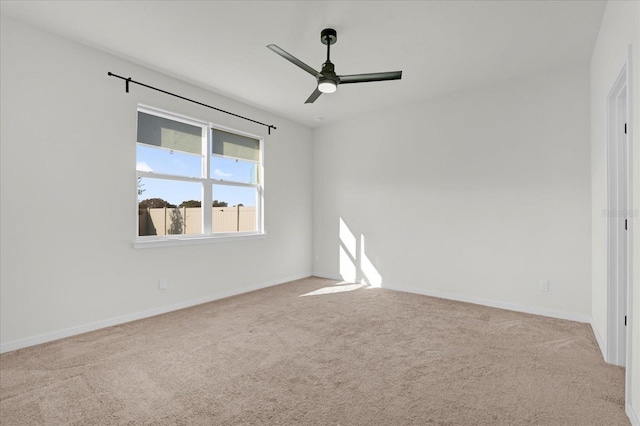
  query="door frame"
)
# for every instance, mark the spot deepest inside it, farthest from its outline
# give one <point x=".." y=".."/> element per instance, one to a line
<point x="619" y="203"/>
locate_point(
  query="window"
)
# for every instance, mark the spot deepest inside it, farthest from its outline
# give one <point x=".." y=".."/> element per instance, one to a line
<point x="196" y="179"/>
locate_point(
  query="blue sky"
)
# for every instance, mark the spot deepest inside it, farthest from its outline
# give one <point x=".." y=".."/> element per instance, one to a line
<point x="161" y="160"/>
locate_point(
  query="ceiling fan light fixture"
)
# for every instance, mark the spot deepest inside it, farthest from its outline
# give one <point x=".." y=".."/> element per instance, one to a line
<point x="327" y="86"/>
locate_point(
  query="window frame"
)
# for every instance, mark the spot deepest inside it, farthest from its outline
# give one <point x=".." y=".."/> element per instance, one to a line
<point x="207" y="182"/>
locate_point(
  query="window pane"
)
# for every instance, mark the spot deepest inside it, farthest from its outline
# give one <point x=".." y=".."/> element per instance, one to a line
<point x="234" y="209"/>
<point x="234" y="170"/>
<point x="167" y="161"/>
<point x="169" y="207"/>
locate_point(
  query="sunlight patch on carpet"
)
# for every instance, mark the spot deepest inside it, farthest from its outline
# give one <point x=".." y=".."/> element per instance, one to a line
<point x="339" y="288"/>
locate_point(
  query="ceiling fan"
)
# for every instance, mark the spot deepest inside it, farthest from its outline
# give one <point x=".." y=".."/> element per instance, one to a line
<point x="328" y="80"/>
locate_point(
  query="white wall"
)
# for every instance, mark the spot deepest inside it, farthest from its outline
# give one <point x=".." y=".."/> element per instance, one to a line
<point x="620" y="28"/>
<point x="68" y="140"/>
<point x="476" y="196"/>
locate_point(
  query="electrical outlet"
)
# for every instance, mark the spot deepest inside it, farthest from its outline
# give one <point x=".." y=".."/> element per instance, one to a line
<point x="544" y="285"/>
<point x="162" y="284"/>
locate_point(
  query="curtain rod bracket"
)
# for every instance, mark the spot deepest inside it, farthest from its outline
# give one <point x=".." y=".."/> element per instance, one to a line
<point x="130" y="80"/>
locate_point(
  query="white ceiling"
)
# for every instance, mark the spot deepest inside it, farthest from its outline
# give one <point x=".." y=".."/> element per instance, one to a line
<point x="441" y="46"/>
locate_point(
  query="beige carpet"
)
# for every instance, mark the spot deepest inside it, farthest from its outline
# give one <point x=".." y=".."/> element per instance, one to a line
<point x="359" y="357"/>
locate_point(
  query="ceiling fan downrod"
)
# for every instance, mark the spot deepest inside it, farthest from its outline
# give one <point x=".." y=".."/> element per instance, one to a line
<point x="328" y="36"/>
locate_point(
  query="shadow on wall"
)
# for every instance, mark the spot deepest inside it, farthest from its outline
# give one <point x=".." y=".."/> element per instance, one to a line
<point x="355" y="265"/>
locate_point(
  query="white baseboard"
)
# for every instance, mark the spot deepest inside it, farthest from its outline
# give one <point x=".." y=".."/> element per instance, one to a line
<point x="328" y="276"/>
<point x="632" y="415"/>
<point x="485" y="302"/>
<point x="493" y="303"/>
<point x="72" y="331"/>
<point x="601" y="343"/>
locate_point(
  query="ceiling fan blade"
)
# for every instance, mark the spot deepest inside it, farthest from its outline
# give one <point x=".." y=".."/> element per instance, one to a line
<point x="374" y="76"/>
<point x="315" y="95"/>
<point x="289" y="57"/>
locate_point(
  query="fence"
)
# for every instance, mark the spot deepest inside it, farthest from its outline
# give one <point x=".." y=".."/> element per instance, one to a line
<point x="188" y="220"/>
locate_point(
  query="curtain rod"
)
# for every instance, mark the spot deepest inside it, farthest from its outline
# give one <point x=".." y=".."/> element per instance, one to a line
<point x="129" y="80"/>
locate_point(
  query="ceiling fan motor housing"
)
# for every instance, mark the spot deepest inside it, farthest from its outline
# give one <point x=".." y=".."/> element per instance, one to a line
<point x="328" y="72"/>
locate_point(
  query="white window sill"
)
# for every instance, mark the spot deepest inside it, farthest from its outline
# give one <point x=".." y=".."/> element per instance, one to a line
<point x="155" y="242"/>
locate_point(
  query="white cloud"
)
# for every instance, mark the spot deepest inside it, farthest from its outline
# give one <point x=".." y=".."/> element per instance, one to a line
<point x="143" y="167"/>
<point x="220" y="173"/>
